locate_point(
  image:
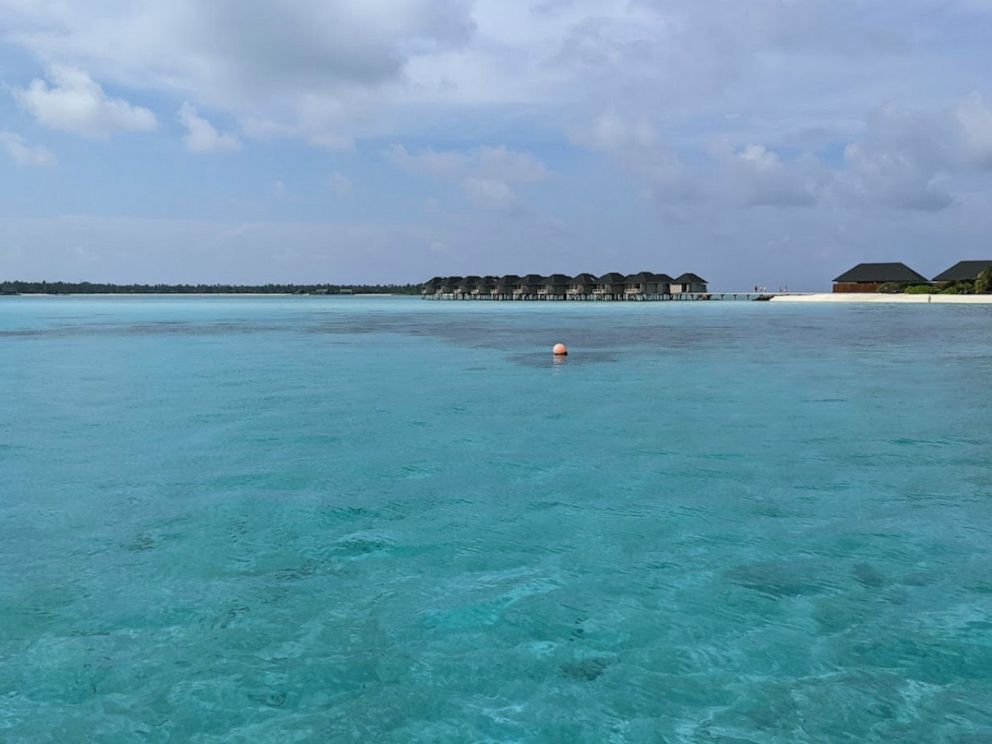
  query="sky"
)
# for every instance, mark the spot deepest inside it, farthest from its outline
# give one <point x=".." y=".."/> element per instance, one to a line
<point x="755" y="142"/>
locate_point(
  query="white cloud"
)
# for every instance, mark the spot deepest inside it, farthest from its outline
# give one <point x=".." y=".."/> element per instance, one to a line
<point x="491" y="194"/>
<point x="24" y="154"/>
<point x="757" y="176"/>
<point x="486" y="174"/>
<point x="74" y="102"/>
<point x="637" y="147"/>
<point x="202" y="136"/>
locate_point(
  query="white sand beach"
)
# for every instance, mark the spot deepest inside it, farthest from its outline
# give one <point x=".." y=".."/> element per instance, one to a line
<point x="880" y="297"/>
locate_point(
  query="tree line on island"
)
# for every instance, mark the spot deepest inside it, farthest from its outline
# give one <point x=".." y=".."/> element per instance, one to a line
<point x="15" y="287"/>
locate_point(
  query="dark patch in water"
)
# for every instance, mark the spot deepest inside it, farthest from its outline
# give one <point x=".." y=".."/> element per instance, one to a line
<point x="774" y="578"/>
<point x="585" y="670"/>
<point x="141" y="543"/>
<point x="867" y="576"/>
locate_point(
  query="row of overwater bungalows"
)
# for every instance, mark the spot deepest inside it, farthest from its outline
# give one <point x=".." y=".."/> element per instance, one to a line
<point x="644" y="285"/>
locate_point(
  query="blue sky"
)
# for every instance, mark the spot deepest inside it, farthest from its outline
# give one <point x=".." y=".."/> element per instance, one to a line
<point x="770" y="142"/>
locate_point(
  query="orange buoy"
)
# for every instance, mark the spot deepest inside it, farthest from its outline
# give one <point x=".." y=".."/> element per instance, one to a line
<point x="559" y="350"/>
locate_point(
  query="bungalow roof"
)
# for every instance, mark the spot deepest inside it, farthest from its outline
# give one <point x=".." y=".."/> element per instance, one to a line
<point x="963" y="271"/>
<point x="881" y="273"/>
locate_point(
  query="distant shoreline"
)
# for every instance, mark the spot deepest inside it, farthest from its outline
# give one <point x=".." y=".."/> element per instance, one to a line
<point x="878" y="297"/>
<point x="205" y="294"/>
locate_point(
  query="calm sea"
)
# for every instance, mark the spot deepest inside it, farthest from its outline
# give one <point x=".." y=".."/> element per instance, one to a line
<point x="358" y="519"/>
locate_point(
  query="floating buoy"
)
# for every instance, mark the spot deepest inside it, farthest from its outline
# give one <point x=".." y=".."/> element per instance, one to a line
<point x="559" y="350"/>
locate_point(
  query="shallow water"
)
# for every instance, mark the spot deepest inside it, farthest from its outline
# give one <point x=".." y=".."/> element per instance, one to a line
<point x="355" y="519"/>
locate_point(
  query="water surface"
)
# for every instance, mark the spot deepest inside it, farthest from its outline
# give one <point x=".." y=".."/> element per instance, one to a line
<point x="353" y="519"/>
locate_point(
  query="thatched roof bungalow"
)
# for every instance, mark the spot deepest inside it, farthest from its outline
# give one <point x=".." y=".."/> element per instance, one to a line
<point x="432" y="286"/>
<point x="530" y="284"/>
<point x="555" y="285"/>
<point x="506" y="284"/>
<point x="487" y="286"/>
<point x="449" y="285"/>
<point x="868" y="277"/>
<point x="611" y="284"/>
<point x="468" y="284"/>
<point x="643" y="283"/>
<point x="582" y="284"/>
<point x="688" y="282"/>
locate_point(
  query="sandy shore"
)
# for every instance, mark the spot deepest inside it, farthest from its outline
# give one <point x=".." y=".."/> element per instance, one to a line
<point x="878" y="297"/>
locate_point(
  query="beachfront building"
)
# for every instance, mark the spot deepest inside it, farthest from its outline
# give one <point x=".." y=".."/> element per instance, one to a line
<point x="610" y="286"/>
<point x="555" y="286"/>
<point x="963" y="271"/>
<point x="582" y="286"/>
<point x="688" y="283"/>
<point x="868" y="277"/>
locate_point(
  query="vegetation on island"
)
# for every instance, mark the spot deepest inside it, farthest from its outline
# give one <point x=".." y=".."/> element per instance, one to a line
<point x="981" y="285"/>
<point x="22" y="287"/>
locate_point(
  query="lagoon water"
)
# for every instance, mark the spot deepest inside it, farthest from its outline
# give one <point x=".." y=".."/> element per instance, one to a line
<point x="251" y="519"/>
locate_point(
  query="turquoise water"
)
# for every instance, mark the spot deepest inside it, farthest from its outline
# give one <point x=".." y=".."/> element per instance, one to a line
<point x="351" y="519"/>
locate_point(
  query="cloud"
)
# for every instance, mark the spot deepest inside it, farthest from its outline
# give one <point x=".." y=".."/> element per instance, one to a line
<point x="491" y="194"/>
<point x="636" y="146"/>
<point x="318" y="70"/>
<point x="202" y="136"/>
<point x="757" y="176"/>
<point x="430" y="162"/>
<point x="75" y="103"/>
<point x="486" y="173"/>
<point x="24" y="154"/>
<point x="974" y="118"/>
<point x="339" y="184"/>
<point x="903" y="161"/>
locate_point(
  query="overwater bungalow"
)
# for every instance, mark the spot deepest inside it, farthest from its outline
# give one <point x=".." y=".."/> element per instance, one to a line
<point x="610" y="286"/>
<point x="449" y="285"/>
<point x="642" y="284"/>
<point x="432" y="286"/>
<point x="486" y="287"/>
<point x="582" y="286"/>
<point x="529" y="286"/>
<point x="505" y="286"/>
<point x="555" y="285"/>
<point x="688" y="283"/>
<point x="468" y="284"/>
<point x="868" y="277"/>
<point x="963" y="271"/>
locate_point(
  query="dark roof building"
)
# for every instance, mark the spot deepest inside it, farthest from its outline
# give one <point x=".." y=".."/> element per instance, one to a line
<point x="688" y="283"/>
<point x="868" y="277"/>
<point x="963" y="271"/>
<point x="645" y="282"/>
